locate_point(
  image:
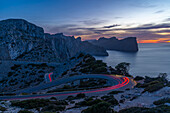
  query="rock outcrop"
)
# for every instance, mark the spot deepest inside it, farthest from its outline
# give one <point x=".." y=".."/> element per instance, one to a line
<point x="128" y="44"/>
<point x="19" y="36"/>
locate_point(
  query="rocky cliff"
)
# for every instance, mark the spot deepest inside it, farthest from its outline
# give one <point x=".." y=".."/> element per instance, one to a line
<point x="19" y="36"/>
<point x="128" y="44"/>
<point x="69" y="46"/>
<point x="26" y="41"/>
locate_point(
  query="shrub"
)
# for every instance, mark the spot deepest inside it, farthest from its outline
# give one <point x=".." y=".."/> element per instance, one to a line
<point x="162" y="101"/>
<point x="159" y="109"/>
<point x="110" y="99"/>
<point x="123" y="68"/>
<point x="2" y="108"/>
<point x="85" y="70"/>
<point x="73" y="74"/>
<point x="10" y="74"/>
<point x="137" y="78"/>
<point x="100" y="70"/>
<point x="66" y="87"/>
<point x="93" y="102"/>
<point x="25" y="111"/>
<point x="15" y="67"/>
<point x="80" y="95"/>
<point x="72" y="58"/>
<point x="64" y="73"/>
<point x="53" y="98"/>
<point x="30" y="104"/>
<point x="53" y="108"/>
<point x="122" y="101"/>
<point x="80" y="55"/>
<point x="89" y="103"/>
<point x="115" y="92"/>
<point x="59" y="102"/>
<point x="44" y="65"/>
<point x="135" y="97"/>
<point x="24" y="93"/>
<point x="70" y="98"/>
<point x="154" y="87"/>
<point x="102" y="107"/>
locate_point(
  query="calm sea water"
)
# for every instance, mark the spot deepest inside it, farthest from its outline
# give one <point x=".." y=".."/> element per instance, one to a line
<point x="150" y="60"/>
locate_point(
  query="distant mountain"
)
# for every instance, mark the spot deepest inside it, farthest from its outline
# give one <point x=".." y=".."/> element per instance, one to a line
<point x="26" y="41"/>
<point x="128" y="44"/>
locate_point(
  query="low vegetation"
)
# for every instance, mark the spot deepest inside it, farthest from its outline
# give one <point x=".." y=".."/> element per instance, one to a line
<point x="160" y="109"/>
<point x="89" y="65"/>
<point x="25" y="75"/>
<point x="80" y="95"/>
<point x="2" y="108"/>
<point x="137" y="78"/>
<point x="162" y="101"/>
<point x="115" y="92"/>
<point x="45" y="104"/>
<point x="89" y="102"/>
<point x="123" y="69"/>
<point x="25" y="111"/>
<point x="153" y="84"/>
<point x="110" y="99"/>
<point x="102" y="107"/>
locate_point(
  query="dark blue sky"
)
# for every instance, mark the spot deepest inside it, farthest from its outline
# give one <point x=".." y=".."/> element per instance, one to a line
<point x="92" y="19"/>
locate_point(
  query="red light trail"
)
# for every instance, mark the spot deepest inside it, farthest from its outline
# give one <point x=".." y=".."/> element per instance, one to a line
<point x="123" y="81"/>
<point x="49" y="75"/>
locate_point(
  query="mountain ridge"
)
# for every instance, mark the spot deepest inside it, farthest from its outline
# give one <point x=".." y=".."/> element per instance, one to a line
<point x="128" y="44"/>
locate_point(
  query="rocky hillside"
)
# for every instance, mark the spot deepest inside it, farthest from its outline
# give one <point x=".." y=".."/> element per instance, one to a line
<point x="19" y="36"/>
<point x="88" y="65"/>
<point x="26" y="41"/>
<point x="23" y="75"/>
<point x="128" y="44"/>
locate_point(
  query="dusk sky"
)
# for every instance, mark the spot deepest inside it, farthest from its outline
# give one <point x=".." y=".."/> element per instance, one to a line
<point x="148" y="20"/>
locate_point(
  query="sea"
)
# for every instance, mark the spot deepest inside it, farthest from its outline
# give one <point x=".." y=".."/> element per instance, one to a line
<point x="150" y="60"/>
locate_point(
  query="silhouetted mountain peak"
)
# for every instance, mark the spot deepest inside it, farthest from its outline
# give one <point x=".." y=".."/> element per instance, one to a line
<point x="126" y="44"/>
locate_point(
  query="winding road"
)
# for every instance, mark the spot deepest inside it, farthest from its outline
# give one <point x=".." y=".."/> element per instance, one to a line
<point x="114" y="82"/>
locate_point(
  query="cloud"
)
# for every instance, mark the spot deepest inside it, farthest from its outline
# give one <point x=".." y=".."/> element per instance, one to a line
<point x="141" y="4"/>
<point x="93" y="22"/>
<point x="149" y="26"/>
<point x="142" y="32"/>
<point x="92" y="29"/>
<point x="118" y="17"/>
<point x="111" y="26"/>
<point x="166" y="20"/>
<point x="160" y="11"/>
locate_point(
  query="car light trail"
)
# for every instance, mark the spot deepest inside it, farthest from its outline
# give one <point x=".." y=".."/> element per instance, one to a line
<point x="49" y="75"/>
<point x="123" y="81"/>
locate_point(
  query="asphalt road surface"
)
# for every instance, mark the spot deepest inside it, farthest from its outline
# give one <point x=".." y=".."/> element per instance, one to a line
<point x="114" y="82"/>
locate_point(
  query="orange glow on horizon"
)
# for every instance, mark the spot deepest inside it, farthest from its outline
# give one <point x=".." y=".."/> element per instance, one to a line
<point x="160" y="40"/>
<point x="148" y="41"/>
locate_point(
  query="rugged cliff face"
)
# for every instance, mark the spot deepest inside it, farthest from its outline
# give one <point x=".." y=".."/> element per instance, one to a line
<point x="19" y="36"/>
<point x="26" y="41"/>
<point x="68" y="46"/>
<point x="128" y="44"/>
